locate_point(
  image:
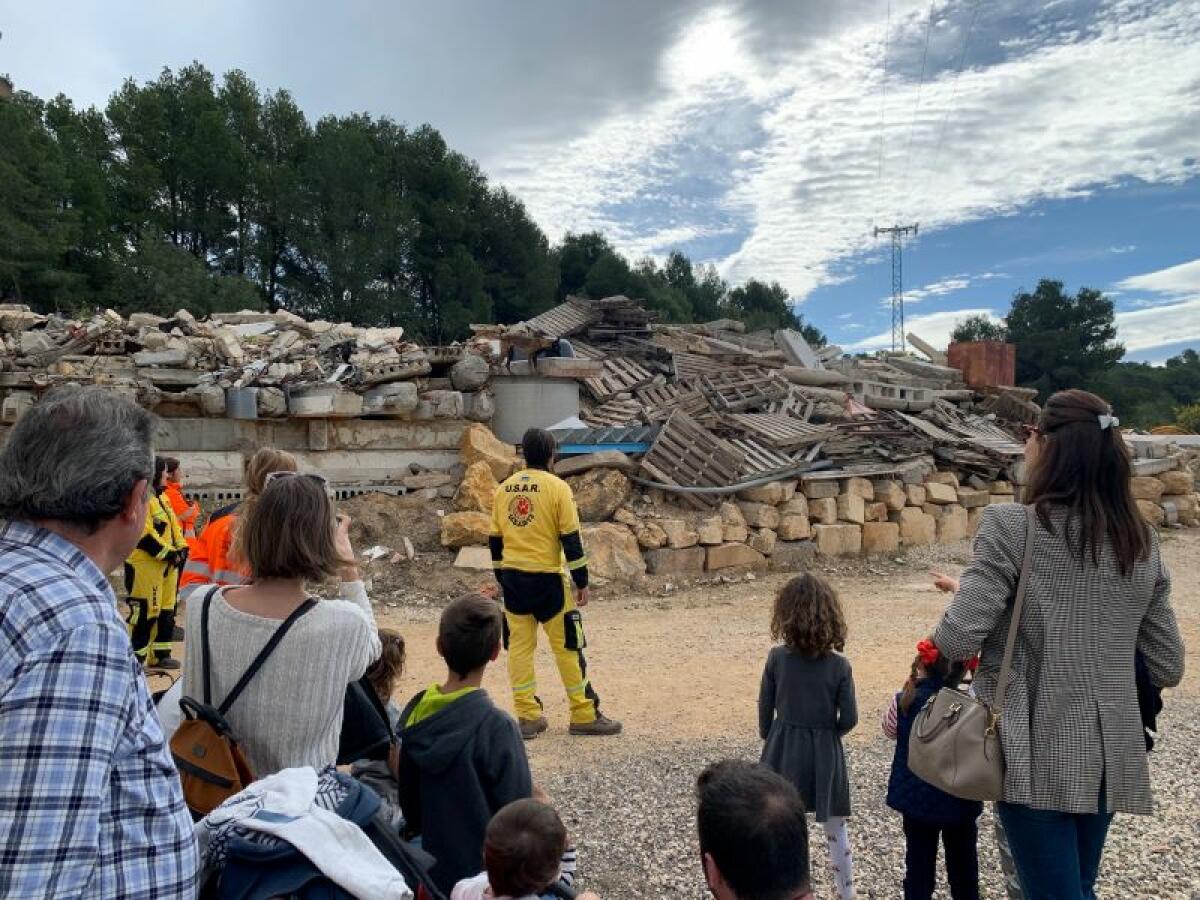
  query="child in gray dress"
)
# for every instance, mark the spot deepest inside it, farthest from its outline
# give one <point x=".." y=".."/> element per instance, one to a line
<point x="806" y="704"/>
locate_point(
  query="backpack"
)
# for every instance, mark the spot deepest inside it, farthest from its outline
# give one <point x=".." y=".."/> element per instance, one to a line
<point x="211" y="765"/>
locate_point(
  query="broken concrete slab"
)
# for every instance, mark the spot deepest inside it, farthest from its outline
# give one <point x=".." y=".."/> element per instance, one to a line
<point x="604" y="459"/>
<point x="475" y="559"/>
<point x="689" y="561"/>
<point x="797" y="349"/>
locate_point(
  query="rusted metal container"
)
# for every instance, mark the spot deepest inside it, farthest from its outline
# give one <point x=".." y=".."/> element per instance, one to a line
<point x="985" y="363"/>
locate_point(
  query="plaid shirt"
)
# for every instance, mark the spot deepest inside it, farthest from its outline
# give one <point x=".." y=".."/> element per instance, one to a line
<point x="90" y="803"/>
<point x="1071" y="717"/>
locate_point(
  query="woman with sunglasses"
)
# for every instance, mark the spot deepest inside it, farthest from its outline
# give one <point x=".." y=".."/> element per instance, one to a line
<point x="1098" y="594"/>
<point x="290" y="713"/>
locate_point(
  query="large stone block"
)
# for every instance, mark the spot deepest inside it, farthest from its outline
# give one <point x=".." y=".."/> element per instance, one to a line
<point x="1000" y="487"/>
<point x="936" y="492"/>
<point x="1151" y="512"/>
<point x="612" y="552"/>
<point x="820" y="490"/>
<point x="971" y="499"/>
<point x="478" y="443"/>
<point x="859" y="487"/>
<point x="676" y="562"/>
<point x="599" y="493"/>
<point x="890" y="493"/>
<point x="771" y="493"/>
<point x="793" y="556"/>
<point x="736" y="534"/>
<point x="1178" y="481"/>
<point x="973" y="517"/>
<point x="603" y="459"/>
<point x="838" y="540"/>
<point x="789" y="489"/>
<point x="729" y="556"/>
<point x="464" y="529"/>
<point x="1146" y="487"/>
<point x="947" y="478"/>
<point x="680" y="535"/>
<point x="711" y="531"/>
<point x="851" y="508"/>
<point x="477" y="489"/>
<point x="759" y="515"/>
<point x="915" y="494"/>
<point x="1185" y="506"/>
<point x="763" y="540"/>
<point x="994" y="499"/>
<point x="731" y="514"/>
<point x="917" y="530"/>
<point x="793" y="528"/>
<point x="824" y="510"/>
<point x="797" y="506"/>
<point x="877" y="512"/>
<point x="952" y="525"/>
<point x="398" y="399"/>
<point x="880" y="537"/>
<point x="470" y="373"/>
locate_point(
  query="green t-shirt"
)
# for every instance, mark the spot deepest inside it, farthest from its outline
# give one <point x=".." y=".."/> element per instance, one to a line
<point x="434" y="701"/>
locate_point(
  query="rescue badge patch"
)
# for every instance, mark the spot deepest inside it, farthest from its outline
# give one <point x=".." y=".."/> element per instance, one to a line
<point x="520" y="511"/>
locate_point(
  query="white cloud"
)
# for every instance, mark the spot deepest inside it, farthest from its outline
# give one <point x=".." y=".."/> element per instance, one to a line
<point x="934" y="328"/>
<point x="788" y="148"/>
<point x="1181" y="279"/>
<point x="1144" y="329"/>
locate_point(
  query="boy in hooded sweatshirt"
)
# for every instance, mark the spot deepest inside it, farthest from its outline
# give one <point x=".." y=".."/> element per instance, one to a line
<point x="461" y="758"/>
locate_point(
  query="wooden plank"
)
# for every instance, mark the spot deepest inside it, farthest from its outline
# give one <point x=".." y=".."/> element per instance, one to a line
<point x="780" y="432"/>
<point x="688" y="455"/>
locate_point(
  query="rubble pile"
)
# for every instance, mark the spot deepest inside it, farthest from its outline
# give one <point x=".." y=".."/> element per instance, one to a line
<point x="243" y="365"/>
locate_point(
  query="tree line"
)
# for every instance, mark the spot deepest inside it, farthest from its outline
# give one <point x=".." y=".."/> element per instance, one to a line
<point x="1066" y="340"/>
<point x="213" y="195"/>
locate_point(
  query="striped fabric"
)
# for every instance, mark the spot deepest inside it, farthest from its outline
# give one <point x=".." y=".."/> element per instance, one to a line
<point x="1071" y="712"/>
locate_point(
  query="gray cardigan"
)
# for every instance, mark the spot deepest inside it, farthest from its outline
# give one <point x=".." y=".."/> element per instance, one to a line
<point x="1071" y="713"/>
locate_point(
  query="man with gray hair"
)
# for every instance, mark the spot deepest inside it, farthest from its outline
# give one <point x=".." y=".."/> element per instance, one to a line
<point x="90" y="802"/>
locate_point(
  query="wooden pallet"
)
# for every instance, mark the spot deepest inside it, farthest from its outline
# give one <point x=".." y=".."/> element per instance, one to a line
<point x="761" y="459"/>
<point x="693" y="365"/>
<point x="742" y="389"/>
<point x="563" y="320"/>
<point x="614" y="413"/>
<point x="660" y="400"/>
<point x="780" y="432"/>
<point x="620" y="376"/>
<point x="688" y="455"/>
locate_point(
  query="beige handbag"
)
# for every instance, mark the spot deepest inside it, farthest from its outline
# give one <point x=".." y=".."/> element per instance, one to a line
<point x="955" y="740"/>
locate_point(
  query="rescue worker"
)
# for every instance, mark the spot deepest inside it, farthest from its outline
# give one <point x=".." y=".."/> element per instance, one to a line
<point x="535" y="542"/>
<point x="148" y="569"/>
<point x="187" y="513"/>
<point x="165" y="631"/>
<point x="211" y="560"/>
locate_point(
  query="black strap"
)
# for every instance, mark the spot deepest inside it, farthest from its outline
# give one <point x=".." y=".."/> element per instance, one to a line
<point x="257" y="664"/>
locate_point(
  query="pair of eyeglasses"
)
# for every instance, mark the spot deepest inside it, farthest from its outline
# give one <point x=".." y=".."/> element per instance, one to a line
<point x="319" y="479"/>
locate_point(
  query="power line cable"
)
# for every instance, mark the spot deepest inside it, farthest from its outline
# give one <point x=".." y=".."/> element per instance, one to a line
<point x="917" y="105"/>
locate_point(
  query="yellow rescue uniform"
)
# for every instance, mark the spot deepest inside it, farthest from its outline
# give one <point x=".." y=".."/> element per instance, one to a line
<point x="168" y="599"/>
<point x="537" y="553"/>
<point x="146" y="573"/>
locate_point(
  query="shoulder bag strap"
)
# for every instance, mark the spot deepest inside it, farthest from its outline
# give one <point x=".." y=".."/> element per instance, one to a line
<point x="204" y="651"/>
<point x="1018" y="604"/>
<point x="266" y="651"/>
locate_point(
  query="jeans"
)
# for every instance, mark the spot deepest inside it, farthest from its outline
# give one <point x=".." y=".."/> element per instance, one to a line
<point x="1057" y="854"/>
<point x="920" y="859"/>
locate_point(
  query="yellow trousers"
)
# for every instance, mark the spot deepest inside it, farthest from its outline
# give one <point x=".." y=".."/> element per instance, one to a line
<point x="572" y="667"/>
<point x="164" y="625"/>
<point x="144" y="583"/>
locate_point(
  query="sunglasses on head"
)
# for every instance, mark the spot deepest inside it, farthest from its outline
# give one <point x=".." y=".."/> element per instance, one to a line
<point x="319" y="479"/>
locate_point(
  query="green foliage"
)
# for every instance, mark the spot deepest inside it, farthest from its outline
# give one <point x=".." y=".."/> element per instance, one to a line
<point x="160" y="278"/>
<point x="1145" y="396"/>
<point x="1062" y="341"/>
<point x="1188" y="418"/>
<point x="763" y="306"/>
<point x="977" y="328"/>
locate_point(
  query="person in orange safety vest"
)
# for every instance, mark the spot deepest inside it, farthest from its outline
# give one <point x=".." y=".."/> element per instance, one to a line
<point x="186" y="513"/>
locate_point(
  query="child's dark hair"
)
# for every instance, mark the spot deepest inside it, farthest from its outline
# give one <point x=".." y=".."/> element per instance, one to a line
<point x="808" y="617"/>
<point x="538" y="447"/>
<point x="523" y="848"/>
<point x="386" y="671"/>
<point x="948" y="672"/>
<point x="469" y="633"/>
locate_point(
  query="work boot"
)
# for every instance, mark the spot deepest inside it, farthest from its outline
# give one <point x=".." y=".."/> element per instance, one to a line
<point x="602" y="726"/>
<point x="165" y="663"/>
<point x="177" y="634"/>
<point x="531" y="728"/>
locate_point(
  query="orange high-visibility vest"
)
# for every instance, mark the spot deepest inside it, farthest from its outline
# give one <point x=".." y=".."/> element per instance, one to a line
<point x="211" y="560"/>
<point x="185" y="512"/>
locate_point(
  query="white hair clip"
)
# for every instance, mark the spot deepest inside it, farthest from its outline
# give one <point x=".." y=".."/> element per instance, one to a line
<point x="1107" y="422"/>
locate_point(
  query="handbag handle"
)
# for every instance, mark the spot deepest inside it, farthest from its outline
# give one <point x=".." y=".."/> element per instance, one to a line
<point x="1014" y="626"/>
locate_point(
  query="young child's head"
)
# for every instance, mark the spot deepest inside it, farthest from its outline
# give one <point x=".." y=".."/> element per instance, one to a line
<point x="808" y="617"/>
<point x="386" y="671"/>
<point x="469" y="634"/>
<point x="523" y="847"/>
<point x="931" y="663"/>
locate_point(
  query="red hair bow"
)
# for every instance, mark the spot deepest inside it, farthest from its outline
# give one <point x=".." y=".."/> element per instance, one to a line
<point x="928" y="651"/>
<point x="972" y="664"/>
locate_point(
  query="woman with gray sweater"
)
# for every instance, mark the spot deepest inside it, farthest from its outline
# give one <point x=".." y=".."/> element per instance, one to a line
<point x="290" y="713"/>
<point x="1098" y="593"/>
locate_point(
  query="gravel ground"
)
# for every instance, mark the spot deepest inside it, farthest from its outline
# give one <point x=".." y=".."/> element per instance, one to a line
<point x="634" y="820"/>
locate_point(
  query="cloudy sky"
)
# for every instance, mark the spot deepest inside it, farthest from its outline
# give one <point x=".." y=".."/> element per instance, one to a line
<point x="1045" y="138"/>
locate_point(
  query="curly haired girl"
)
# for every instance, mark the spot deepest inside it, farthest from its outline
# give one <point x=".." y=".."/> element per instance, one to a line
<point x="805" y="706"/>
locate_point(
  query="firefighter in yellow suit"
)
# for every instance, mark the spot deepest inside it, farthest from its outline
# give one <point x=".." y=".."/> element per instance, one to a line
<point x="537" y="553"/>
<point x="150" y="571"/>
<point x="168" y="598"/>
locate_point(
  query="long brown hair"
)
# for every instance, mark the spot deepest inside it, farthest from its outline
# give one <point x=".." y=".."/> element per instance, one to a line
<point x="1086" y="469"/>
<point x="808" y="617"/>
<point x="289" y="532"/>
